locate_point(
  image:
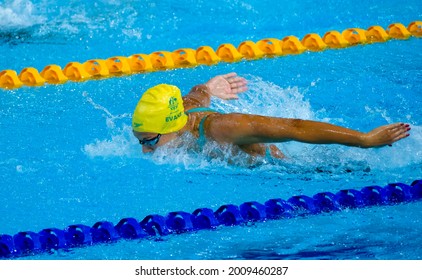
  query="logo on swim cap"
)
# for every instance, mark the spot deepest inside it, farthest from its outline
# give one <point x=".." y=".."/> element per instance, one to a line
<point x="173" y="103"/>
<point x="136" y="125"/>
<point x="160" y="110"/>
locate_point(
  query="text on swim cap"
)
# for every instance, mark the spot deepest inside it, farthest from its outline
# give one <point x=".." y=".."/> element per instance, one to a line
<point x="174" y="117"/>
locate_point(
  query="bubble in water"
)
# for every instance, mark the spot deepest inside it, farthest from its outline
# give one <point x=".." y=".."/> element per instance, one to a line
<point x="19" y="168"/>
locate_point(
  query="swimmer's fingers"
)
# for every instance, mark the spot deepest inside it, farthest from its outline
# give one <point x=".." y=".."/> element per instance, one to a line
<point x="237" y="81"/>
<point x="237" y="85"/>
<point x="387" y="134"/>
<point x="399" y="131"/>
<point x="229" y="75"/>
<point x="234" y="80"/>
<point x="227" y="86"/>
<point x="234" y="91"/>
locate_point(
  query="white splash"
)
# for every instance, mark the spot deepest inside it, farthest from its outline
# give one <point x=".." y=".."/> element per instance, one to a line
<point x="19" y="14"/>
<point x="266" y="98"/>
<point x="121" y="144"/>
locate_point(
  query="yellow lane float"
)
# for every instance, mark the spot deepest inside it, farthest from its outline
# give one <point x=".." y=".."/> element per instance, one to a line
<point x="206" y="55"/>
<point x="335" y="40"/>
<point x="75" y="71"/>
<point x="270" y="46"/>
<point x="314" y="42"/>
<point x="250" y="50"/>
<point x="377" y="34"/>
<point x="140" y="63"/>
<point x="355" y="36"/>
<point x="31" y="77"/>
<point x="118" y="65"/>
<point x="398" y="31"/>
<point x="415" y="28"/>
<point x="161" y="60"/>
<point x="228" y="53"/>
<point x="292" y="45"/>
<point x="184" y="57"/>
<point x="97" y="68"/>
<point x="53" y="74"/>
<point x="9" y="79"/>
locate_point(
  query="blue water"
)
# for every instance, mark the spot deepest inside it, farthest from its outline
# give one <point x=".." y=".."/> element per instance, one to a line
<point x="68" y="156"/>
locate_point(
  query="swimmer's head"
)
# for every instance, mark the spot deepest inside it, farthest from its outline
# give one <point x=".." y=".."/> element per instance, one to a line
<point x="160" y="110"/>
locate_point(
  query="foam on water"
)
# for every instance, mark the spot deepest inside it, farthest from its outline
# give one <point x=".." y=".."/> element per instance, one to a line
<point x="18" y="14"/>
<point x="122" y="142"/>
<point x="23" y="20"/>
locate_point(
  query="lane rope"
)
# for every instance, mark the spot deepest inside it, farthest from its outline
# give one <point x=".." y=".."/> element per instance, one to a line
<point x="118" y="66"/>
<point x="29" y="243"/>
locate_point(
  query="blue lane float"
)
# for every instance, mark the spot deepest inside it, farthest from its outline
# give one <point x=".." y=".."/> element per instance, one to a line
<point x="28" y="243"/>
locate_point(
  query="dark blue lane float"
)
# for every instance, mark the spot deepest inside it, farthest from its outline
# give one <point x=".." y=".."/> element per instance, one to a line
<point x="28" y="243"/>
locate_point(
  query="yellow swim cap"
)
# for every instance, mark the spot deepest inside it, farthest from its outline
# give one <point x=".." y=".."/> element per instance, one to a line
<point x="160" y="110"/>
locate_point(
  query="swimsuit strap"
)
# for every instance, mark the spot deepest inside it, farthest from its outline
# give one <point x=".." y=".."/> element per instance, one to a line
<point x="202" y="139"/>
<point x="200" y="109"/>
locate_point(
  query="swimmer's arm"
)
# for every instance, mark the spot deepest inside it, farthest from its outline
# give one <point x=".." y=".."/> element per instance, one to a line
<point x="226" y="86"/>
<point x="198" y="96"/>
<point x="243" y="129"/>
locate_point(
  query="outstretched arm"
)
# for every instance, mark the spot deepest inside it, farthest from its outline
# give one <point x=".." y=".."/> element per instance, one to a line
<point x="226" y="86"/>
<point x="244" y="129"/>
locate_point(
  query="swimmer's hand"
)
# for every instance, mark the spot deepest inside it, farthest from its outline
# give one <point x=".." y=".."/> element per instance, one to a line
<point x="386" y="135"/>
<point x="227" y="86"/>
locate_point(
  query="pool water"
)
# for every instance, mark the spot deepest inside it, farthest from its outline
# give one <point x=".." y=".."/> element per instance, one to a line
<point x="68" y="155"/>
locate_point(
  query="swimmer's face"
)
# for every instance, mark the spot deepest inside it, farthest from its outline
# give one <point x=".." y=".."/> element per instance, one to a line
<point x="151" y="141"/>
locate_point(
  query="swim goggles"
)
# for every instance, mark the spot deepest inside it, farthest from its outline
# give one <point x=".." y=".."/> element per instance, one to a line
<point x="151" y="141"/>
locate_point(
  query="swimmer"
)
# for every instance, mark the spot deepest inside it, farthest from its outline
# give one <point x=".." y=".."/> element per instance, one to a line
<point x="162" y="114"/>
